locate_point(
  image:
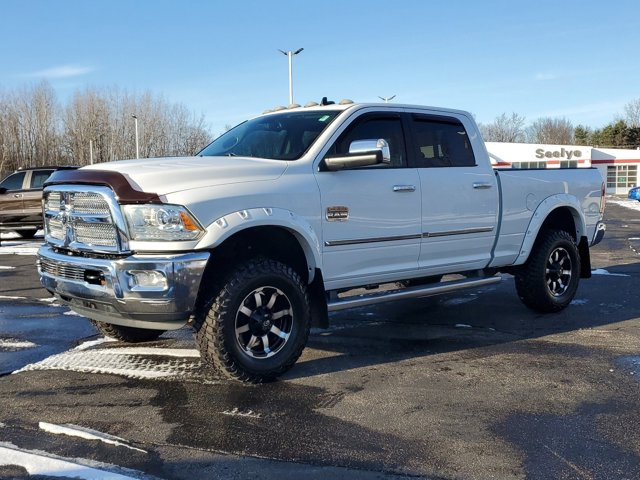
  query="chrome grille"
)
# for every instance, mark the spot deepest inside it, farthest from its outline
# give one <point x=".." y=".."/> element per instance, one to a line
<point x="82" y="218"/>
<point x="90" y="203"/>
<point x="64" y="271"/>
<point x="96" y="233"/>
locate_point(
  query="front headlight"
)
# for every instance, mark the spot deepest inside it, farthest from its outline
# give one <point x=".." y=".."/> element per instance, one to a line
<point x="161" y="223"/>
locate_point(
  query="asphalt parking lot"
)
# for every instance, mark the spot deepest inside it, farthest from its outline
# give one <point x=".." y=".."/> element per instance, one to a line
<point x="465" y="386"/>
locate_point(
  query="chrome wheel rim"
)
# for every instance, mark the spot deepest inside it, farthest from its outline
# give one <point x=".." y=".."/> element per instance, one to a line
<point x="264" y="322"/>
<point x="558" y="272"/>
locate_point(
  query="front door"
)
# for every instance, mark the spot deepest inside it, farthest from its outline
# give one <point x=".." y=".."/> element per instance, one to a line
<point x="371" y="215"/>
<point x="11" y="194"/>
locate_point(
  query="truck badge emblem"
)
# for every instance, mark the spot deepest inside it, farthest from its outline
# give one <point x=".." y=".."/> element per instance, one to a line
<point x="337" y="214"/>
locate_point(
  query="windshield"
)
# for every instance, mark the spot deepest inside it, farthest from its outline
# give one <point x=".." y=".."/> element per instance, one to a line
<point x="284" y="136"/>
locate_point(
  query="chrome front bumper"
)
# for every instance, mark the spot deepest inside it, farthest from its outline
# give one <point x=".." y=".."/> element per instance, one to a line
<point x="102" y="289"/>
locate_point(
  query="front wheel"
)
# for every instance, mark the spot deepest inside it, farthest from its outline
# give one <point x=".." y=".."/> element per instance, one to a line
<point x="548" y="281"/>
<point x="257" y="324"/>
<point x="127" y="334"/>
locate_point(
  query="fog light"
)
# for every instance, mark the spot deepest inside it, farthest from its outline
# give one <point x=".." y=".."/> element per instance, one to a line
<point x="147" y="280"/>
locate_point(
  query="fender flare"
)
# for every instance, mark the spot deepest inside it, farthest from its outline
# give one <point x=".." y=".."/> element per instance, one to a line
<point x="228" y="225"/>
<point x="540" y="215"/>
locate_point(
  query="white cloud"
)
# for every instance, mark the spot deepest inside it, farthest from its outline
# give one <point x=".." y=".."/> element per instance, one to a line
<point x="62" y="71"/>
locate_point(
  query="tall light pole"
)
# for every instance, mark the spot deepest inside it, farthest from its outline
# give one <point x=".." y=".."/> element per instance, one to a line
<point x="135" y="119"/>
<point x="290" y="55"/>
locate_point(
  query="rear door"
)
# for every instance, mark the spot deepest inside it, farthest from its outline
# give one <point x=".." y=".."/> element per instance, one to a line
<point x="459" y="194"/>
<point x="371" y="215"/>
<point x="11" y="204"/>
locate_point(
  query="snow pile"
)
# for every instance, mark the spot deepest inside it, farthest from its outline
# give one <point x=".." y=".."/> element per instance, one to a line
<point x="42" y="463"/>
<point x="632" y="204"/>
<point x="602" y="271"/>
<point x="19" y="248"/>
<point x="130" y="362"/>
<point x="87" y="434"/>
<point x="12" y="344"/>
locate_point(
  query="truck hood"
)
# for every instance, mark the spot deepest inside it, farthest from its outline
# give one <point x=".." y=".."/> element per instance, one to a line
<point x="167" y="175"/>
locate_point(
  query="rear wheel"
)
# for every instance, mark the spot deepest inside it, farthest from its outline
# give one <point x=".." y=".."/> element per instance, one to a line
<point x="127" y="334"/>
<point x="257" y="324"/>
<point x="549" y="280"/>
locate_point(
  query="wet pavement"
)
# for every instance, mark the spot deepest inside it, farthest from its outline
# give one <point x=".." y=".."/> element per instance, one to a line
<point x="471" y="385"/>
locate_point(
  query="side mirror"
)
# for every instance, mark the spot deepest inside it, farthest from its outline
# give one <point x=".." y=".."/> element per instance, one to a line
<point x="3" y="190"/>
<point x="370" y="146"/>
<point x="362" y="153"/>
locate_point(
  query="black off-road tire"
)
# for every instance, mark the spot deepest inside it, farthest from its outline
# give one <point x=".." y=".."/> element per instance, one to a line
<point x="127" y="334"/>
<point x="234" y="314"/>
<point x="549" y="279"/>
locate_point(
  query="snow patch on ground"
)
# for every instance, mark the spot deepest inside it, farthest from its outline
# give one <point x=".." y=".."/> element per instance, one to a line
<point x="19" y="248"/>
<point x="8" y="297"/>
<point x="632" y="204"/>
<point x="238" y="413"/>
<point x="2" y="267"/>
<point x="579" y="302"/>
<point x="72" y="313"/>
<point x="86" y="433"/>
<point x="47" y="300"/>
<point x="130" y="362"/>
<point x="93" y="343"/>
<point x="460" y="300"/>
<point x="42" y="463"/>
<point x="602" y="271"/>
<point x="13" y="344"/>
<point x="462" y="325"/>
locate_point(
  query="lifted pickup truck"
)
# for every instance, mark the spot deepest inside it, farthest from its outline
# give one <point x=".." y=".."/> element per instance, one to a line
<point x="260" y="235"/>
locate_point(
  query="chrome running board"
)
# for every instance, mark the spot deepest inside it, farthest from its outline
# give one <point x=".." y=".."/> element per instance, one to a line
<point x="411" y="292"/>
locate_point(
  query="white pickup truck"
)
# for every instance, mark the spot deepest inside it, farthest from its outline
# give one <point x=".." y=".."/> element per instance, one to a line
<point x="267" y="229"/>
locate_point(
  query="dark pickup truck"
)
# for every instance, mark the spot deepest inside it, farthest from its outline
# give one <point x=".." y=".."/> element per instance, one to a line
<point x="21" y="200"/>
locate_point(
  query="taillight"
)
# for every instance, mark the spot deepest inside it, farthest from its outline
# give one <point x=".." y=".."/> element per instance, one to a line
<point x="603" y="192"/>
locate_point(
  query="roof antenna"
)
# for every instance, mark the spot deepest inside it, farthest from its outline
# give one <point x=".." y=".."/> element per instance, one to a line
<point x="324" y="101"/>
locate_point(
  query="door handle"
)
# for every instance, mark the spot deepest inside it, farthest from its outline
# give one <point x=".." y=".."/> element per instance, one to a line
<point x="17" y="195"/>
<point x="482" y="185"/>
<point x="404" y="188"/>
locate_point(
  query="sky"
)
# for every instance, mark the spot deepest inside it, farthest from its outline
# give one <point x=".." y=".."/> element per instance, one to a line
<point x="564" y="58"/>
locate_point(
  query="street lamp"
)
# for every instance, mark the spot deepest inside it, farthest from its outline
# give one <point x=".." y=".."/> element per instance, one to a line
<point x="135" y="119"/>
<point x="386" y="99"/>
<point x="290" y="55"/>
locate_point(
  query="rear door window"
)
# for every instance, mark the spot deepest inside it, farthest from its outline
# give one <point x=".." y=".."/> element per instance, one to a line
<point x="38" y="177"/>
<point x="440" y="142"/>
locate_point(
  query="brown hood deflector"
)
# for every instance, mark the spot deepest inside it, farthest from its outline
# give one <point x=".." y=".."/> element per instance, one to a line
<point x="120" y="184"/>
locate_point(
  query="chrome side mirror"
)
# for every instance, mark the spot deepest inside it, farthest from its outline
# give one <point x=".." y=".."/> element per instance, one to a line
<point x="371" y="146"/>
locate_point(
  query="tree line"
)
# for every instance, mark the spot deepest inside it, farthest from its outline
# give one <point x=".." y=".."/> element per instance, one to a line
<point x="622" y="132"/>
<point x="37" y="130"/>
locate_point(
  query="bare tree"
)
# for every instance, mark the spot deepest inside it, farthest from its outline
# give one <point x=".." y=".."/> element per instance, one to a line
<point x="505" y="128"/>
<point x="632" y="113"/>
<point x="558" y="131"/>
